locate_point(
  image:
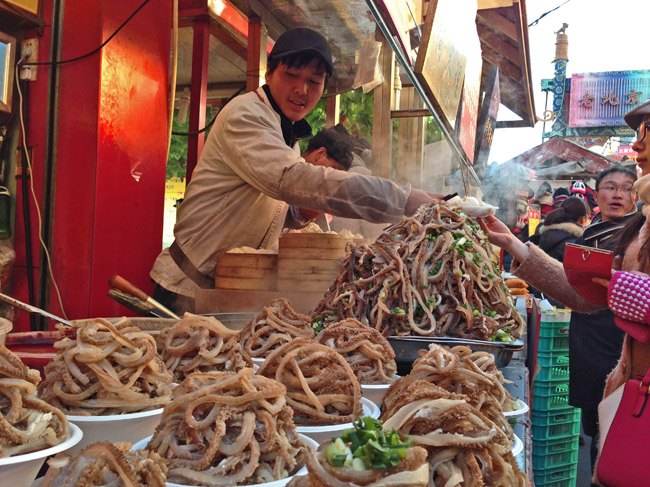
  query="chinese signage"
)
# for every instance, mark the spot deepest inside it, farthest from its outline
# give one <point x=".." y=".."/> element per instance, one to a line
<point x="601" y="99"/>
<point x="470" y="99"/>
<point x="448" y="34"/>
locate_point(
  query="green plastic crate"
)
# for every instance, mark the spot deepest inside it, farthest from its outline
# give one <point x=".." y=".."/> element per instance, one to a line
<point x="550" y="330"/>
<point x="555" y="460"/>
<point x="553" y="344"/>
<point x="555" y="431"/>
<point x="551" y="418"/>
<point x="556" y="476"/>
<point x="558" y="373"/>
<point x="550" y="396"/>
<point x="552" y="359"/>
<point x="552" y="447"/>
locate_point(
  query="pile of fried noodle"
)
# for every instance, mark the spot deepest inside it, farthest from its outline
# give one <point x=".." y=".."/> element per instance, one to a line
<point x="462" y="371"/>
<point x="201" y="344"/>
<point x="429" y="275"/>
<point x="321" y="386"/>
<point x="27" y="423"/>
<point x="226" y="429"/>
<point x="277" y="324"/>
<point x="366" y="350"/>
<point x="465" y="446"/>
<point x="104" y="464"/>
<point x="107" y="369"/>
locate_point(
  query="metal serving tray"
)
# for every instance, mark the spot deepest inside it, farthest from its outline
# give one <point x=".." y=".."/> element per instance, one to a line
<point x="408" y="348"/>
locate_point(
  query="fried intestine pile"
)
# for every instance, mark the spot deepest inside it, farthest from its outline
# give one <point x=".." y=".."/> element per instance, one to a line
<point x="106" y="369"/>
<point x="277" y="324"/>
<point x="27" y="423"/>
<point x="429" y="275"/>
<point x="321" y="386"/>
<point x="460" y="370"/>
<point x="201" y="344"/>
<point x="103" y="464"/>
<point x="366" y="350"/>
<point x="465" y="447"/>
<point x="226" y="429"/>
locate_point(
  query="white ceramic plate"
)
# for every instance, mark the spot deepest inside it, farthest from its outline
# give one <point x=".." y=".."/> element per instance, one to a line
<point x="117" y="427"/>
<point x="21" y="470"/>
<point x="517" y="446"/>
<point x="522" y="408"/>
<point x="369" y="409"/>
<point x="376" y="392"/>
<point x="276" y="483"/>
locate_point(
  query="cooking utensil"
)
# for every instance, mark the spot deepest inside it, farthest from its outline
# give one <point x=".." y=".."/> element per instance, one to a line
<point x="118" y="282"/>
<point x="32" y="309"/>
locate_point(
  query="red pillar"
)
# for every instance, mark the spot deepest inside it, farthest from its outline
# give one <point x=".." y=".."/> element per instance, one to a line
<point x="198" y="92"/>
<point x="110" y="146"/>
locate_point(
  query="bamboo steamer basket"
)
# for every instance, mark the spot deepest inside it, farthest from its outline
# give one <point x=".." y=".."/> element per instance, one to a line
<point x="249" y="271"/>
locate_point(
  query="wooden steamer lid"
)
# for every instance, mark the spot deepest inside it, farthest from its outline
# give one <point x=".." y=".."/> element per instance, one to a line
<point x="251" y="271"/>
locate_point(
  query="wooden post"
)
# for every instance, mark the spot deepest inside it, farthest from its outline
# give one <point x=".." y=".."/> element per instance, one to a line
<point x="198" y="92"/>
<point x="382" y="105"/>
<point x="410" y="140"/>
<point x="256" y="54"/>
<point x="332" y="110"/>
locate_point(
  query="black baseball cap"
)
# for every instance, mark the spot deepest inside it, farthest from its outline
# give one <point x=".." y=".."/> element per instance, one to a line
<point x="302" y="39"/>
<point x="636" y="116"/>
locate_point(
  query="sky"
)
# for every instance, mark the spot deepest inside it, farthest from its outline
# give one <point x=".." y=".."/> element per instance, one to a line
<point x="604" y="35"/>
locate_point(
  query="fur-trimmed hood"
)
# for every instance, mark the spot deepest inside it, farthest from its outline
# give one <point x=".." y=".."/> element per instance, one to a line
<point x="571" y="228"/>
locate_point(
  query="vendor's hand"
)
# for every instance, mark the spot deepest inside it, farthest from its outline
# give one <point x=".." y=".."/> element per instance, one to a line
<point x="418" y="198"/>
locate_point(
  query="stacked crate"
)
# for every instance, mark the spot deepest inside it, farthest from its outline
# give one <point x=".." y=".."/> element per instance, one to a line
<point x="556" y="425"/>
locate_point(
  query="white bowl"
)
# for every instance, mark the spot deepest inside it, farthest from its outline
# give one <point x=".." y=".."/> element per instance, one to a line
<point x="140" y="445"/>
<point x="517" y="446"/>
<point x="375" y="392"/>
<point x="522" y="408"/>
<point x="21" y="470"/>
<point x="116" y="427"/>
<point x="322" y="434"/>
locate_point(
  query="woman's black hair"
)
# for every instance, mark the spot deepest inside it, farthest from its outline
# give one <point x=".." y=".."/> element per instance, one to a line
<point x="338" y="146"/>
<point x="571" y="210"/>
<point x="299" y="60"/>
<point x="630" y="233"/>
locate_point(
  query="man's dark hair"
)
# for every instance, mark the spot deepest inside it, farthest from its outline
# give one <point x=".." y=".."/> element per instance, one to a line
<point x="617" y="168"/>
<point x="337" y="145"/>
<point x="299" y="60"/>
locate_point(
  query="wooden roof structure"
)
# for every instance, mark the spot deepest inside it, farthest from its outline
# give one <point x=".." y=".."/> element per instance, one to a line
<point x="503" y="31"/>
<point x="559" y="158"/>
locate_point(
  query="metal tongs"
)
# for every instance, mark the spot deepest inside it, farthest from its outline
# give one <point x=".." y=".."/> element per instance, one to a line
<point x="32" y="309"/>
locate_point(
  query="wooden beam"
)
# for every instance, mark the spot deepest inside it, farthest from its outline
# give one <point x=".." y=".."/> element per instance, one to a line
<point x="414" y="113"/>
<point x="217" y="85"/>
<point x="506" y="67"/>
<point x="228" y="39"/>
<point x="382" y="123"/>
<point x="332" y="110"/>
<point x="484" y="4"/>
<point x="511" y="124"/>
<point x="198" y="93"/>
<point x="273" y="25"/>
<point x="490" y="38"/>
<point x="499" y="23"/>
<point x="256" y="59"/>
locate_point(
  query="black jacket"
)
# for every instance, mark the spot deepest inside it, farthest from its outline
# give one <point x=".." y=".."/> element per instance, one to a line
<point x="552" y="238"/>
<point x="595" y="341"/>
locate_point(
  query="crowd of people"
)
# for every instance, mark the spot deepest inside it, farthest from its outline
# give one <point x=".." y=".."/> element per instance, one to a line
<point x="605" y="349"/>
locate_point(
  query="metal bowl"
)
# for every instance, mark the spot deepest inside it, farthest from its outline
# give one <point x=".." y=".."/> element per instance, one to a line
<point x="409" y="348"/>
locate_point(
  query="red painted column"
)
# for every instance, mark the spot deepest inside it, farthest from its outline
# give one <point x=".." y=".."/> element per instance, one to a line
<point x="198" y="92"/>
<point x="111" y="142"/>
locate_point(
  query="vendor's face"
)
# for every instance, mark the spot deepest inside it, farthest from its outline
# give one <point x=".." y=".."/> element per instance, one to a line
<point x="320" y="157"/>
<point x="615" y="196"/>
<point x="297" y="90"/>
<point x="642" y="146"/>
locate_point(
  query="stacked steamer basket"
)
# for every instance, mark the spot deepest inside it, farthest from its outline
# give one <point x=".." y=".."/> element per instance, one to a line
<point x="556" y="425"/>
<point x="248" y="271"/>
<point x="309" y="262"/>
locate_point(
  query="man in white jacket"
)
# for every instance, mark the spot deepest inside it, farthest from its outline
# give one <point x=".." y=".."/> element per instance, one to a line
<point x="250" y="171"/>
